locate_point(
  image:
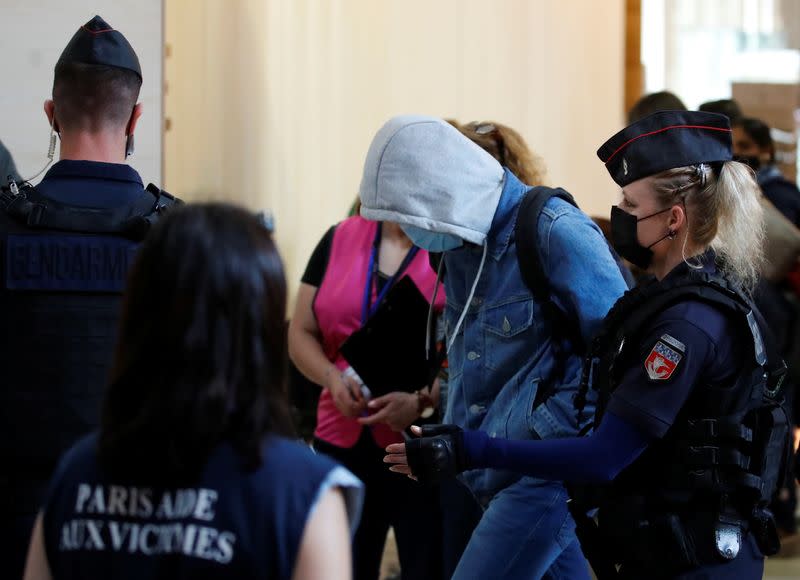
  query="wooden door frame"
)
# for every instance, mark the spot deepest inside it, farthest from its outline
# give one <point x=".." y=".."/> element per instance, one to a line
<point x="634" y="70"/>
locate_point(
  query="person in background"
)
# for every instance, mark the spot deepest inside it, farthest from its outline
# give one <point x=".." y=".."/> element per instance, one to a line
<point x="191" y="474"/>
<point x="7" y="167"/>
<point x="728" y="107"/>
<point x="653" y="103"/>
<point x="72" y="237"/>
<point x="511" y="372"/>
<point x="349" y="273"/>
<point x="508" y="147"/>
<point x="303" y="393"/>
<point x="689" y="438"/>
<point x="753" y="145"/>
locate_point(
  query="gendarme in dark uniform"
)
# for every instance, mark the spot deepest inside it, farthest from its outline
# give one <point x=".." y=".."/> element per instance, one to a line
<point x="687" y="361"/>
<point x="65" y="248"/>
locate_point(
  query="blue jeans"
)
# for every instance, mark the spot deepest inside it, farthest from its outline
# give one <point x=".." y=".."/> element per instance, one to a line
<point x="526" y="532"/>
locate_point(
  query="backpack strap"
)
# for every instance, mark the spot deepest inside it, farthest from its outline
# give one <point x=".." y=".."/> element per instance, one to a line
<point x="526" y="232"/>
<point x="532" y="270"/>
<point x="138" y="225"/>
<point x="26" y="206"/>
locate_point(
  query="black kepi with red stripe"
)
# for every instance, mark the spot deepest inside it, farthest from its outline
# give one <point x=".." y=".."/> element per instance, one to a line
<point x="99" y="44"/>
<point x="666" y="140"/>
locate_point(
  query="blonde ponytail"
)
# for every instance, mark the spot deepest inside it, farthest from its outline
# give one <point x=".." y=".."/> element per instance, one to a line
<point x="740" y="237"/>
<point x="723" y="213"/>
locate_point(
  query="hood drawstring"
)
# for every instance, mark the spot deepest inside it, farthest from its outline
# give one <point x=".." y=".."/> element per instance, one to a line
<point x="469" y="298"/>
<point x="466" y="307"/>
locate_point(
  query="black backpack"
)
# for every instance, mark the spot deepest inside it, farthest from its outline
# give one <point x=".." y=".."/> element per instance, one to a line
<point x="566" y="332"/>
<point x="526" y="233"/>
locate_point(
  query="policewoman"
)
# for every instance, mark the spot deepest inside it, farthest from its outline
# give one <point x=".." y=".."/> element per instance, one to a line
<point x="690" y="437"/>
<point x="65" y="247"/>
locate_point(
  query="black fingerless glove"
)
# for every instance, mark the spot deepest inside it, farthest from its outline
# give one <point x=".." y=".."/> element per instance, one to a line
<point x="437" y="454"/>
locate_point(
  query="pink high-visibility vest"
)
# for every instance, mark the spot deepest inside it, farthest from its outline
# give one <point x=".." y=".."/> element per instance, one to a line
<point x="337" y="307"/>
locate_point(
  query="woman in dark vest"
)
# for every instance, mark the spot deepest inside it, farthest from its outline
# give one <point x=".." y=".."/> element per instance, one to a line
<point x="689" y="433"/>
<point x="191" y="474"/>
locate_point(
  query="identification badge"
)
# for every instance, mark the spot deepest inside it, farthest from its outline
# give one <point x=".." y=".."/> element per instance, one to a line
<point x="664" y="358"/>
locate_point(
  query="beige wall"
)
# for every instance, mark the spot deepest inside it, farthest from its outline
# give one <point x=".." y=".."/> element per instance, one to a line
<point x="273" y="103"/>
<point x="34" y="34"/>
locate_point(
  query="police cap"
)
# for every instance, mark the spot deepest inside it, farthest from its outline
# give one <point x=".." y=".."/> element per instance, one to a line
<point x="666" y="140"/>
<point x="97" y="43"/>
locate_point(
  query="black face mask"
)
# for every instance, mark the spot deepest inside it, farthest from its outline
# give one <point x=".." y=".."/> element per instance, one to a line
<point x="625" y="239"/>
<point x="752" y="160"/>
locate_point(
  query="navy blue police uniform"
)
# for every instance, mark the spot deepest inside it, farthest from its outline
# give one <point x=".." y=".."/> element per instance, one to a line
<point x="688" y="344"/>
<point x="65" y="248"/>
<point x="685" y="360"/>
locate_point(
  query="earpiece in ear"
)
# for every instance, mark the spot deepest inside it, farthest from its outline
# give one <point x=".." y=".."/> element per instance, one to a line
<point x="51" y="151"/>
<point x="129" y="146"/>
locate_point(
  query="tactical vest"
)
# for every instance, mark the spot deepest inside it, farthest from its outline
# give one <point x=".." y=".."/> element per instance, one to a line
<point x="62" y="272"/>
<point x="691" y="497"/>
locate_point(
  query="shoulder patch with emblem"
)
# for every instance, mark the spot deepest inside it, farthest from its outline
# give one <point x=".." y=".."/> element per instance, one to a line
<point x="664" y="358"/>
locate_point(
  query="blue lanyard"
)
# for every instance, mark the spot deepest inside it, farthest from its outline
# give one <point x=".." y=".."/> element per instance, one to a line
<point x="368" y="309"/>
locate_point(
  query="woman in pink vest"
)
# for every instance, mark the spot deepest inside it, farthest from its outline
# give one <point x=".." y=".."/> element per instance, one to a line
<point x="351" y="270"/>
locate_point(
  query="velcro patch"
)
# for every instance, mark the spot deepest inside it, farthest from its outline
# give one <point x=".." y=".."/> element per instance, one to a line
<point x="664" y="358"/>
<point x="67" y="263"/>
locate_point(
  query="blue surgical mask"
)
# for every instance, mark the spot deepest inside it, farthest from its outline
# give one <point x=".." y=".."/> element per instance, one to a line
<point x="432" y="241"/>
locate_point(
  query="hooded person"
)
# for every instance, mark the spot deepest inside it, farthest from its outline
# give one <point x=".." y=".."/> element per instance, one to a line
<point x="691" y="434"/>
<point x="508" y="377"/>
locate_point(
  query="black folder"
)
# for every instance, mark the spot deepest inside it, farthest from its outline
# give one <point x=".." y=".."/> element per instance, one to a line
<point x="388" y="352"/>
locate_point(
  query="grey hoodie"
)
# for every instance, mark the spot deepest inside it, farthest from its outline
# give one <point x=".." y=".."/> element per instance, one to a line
<point x="422" y="171"/>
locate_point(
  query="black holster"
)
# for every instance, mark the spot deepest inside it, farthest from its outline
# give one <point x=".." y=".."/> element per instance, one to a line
<point x="765" y="532"/>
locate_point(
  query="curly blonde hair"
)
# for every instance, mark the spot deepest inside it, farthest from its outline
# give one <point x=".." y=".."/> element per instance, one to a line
<point x="723" y="212"/>
<point x="507" y="146"/>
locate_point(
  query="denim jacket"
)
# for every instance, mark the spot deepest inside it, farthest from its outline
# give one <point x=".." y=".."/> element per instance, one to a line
<point x="504" y="351"/>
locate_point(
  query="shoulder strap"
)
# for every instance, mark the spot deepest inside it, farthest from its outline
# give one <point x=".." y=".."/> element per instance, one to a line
<point x="701" y="287"/>
<point x="529" y="260"/>
<point x="712" y="289"/>
<point x="526" y="234"/>
<point x="638" y="307"/>
<point x="137" y="226"/>
<point x="28" y="207"/>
